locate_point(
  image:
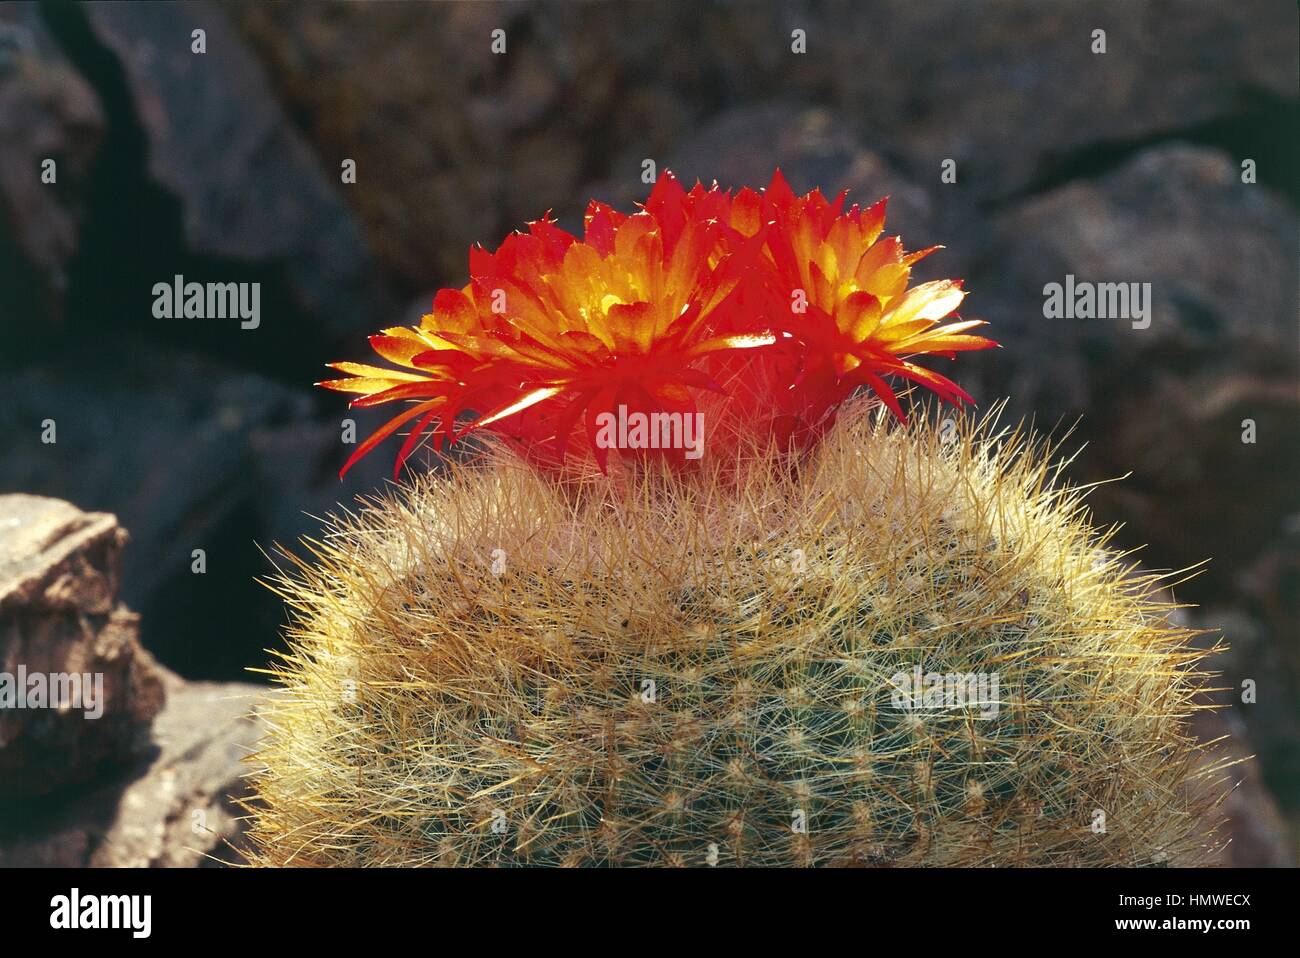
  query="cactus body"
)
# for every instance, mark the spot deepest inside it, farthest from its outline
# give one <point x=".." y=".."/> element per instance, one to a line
<point x="493" y="668"/>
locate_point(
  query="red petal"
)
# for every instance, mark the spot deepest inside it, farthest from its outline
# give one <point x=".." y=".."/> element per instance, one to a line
<point x="383" y="432"/>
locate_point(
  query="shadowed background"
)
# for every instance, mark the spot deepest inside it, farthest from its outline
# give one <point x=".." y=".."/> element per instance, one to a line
<point x="1124" y="166"/>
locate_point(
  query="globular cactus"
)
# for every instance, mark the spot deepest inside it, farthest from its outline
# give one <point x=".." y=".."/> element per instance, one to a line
<point x="782" y="640"/>
<point x="493" y="667"/>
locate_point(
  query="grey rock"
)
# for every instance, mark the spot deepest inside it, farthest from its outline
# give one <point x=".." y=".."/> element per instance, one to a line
<point x="191" y="454"/>
<point x="811" y="145"/>
<point x="172" y="466"/>
<point x="251" y="190"/>
<point x="1013" y="90"/>
<point x="1219" y="255"/>
<point x="1257" y="833"/>
<point x="1170" y="399"/>
<point x="47" y="111"/>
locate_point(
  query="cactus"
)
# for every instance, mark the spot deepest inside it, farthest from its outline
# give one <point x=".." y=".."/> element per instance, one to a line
<point x="495" y="666"/>
<point x="830" y="641"/>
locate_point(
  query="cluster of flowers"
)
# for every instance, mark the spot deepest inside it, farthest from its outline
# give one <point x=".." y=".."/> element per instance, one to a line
<point x="776" y="307"/>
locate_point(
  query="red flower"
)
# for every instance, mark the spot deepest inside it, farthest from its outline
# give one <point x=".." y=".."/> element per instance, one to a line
<point x="648" y="308"/>
<point x="838" y="298"/>
<point x="552" y="331"/>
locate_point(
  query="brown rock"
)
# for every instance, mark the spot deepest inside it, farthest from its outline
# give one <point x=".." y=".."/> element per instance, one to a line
<point x="427" y="195"/>
<point x="58" y="616"/>
<point x="175" y="808"/>
<point x="1012" y="91"/>
<point x="55" y="558"/>
<point x="488" y="140"/>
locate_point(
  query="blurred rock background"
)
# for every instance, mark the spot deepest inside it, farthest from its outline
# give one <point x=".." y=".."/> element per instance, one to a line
<point x="1123" y="166"/>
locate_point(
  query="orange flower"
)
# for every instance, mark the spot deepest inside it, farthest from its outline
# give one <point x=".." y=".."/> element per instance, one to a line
<point x="552" y="330"/>
<point x="784" y="304"/>
<point x="839" y="299"/>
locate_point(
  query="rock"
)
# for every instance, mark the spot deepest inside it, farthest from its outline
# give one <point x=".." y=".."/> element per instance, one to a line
<point x="250" y="189"/>
<point x="145" y="783"/>
<point x="498" y="139"/>
<point x="1217" y="253"/>
<point x="811" y="145"/>
<point x="1172" y="400"/>
<point x="1170" y="405"/>
<point x="1260" y="658"/>
<point x="175" y="808"/>
<point x="47" y="112"/>
<point x="1014" y="92"/>
<point x="1257" y="834"/>
<point x="1272" y="582"/>
<point x="59" y="575"/>
<point x="296" y="466"/>
<point x="468" y="145"/>
<point x="190" y="454"/>
<point x="176" y="426"/>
